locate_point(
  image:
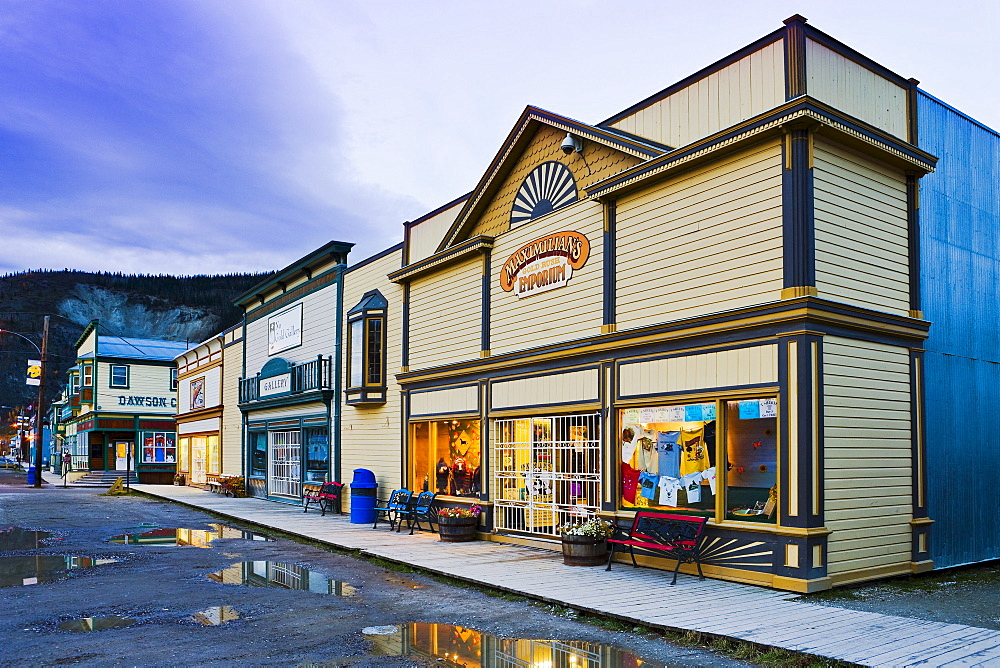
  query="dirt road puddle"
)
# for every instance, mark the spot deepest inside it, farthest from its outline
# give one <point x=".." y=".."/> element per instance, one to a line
<point x="282" y="576"/>
<point x="458" y="646"/>
<point x="163" y="537"/>
<point x="16" y="538"/>
<point x="24" y="571"/>
<point x="216" y="615"/>
<point x="97" y="623"/>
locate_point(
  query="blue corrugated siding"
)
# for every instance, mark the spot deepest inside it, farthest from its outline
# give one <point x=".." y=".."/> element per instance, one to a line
<point x="960" y="286"/>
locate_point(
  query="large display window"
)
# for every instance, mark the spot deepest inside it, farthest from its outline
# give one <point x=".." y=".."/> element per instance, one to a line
<point x="317" y="454"/>
<point x="445" y="457"/>
<point x="158" y="447"/>
<point x="684" y="458"/>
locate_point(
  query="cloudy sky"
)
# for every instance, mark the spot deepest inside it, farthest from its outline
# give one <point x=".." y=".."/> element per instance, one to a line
<point x="211" y="136"/>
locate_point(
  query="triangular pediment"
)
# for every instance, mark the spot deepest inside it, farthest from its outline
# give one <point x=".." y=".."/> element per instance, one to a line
<point x="533" y="174"/>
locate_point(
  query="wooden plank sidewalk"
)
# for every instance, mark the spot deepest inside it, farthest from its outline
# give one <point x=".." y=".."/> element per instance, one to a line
<point x="641" y="596"/>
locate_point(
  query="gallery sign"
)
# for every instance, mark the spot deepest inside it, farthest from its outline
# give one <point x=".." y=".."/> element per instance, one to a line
<point x="275" y="385"/>
<point x="544" y="264"/>
<point x="284" y="330"/>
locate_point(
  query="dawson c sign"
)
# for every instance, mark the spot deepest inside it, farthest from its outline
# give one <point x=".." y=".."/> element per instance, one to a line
<point x="544" y="264"/>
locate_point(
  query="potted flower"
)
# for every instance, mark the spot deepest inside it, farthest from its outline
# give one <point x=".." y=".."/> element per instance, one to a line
<point x="585" y="543"/>
<point x="233" y="485"/>
<point x="179" y="480"/>
<point x="458" y="525"/>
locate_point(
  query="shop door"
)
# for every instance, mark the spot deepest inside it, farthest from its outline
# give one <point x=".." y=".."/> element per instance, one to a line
<point x="198" y="460"/>
<point x="124" y="453"/>
<point x="547" y="472"/>
<point x="96" y="453"/>
<point x="284" y="463"/>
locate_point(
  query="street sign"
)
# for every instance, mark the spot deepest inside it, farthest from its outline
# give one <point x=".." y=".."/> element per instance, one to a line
<point x="34" y="373"/>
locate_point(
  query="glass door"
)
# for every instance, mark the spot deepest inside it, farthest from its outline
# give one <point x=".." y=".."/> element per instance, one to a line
<point x="198" y="460"/>
<point x="124" y="455"/>
<point x="284" y="463"/>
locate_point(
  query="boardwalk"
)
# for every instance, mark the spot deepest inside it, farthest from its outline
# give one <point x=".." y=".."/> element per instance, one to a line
<point x="639" y="595"/>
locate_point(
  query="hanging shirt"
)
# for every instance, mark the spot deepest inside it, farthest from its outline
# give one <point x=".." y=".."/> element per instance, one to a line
<point x="709" y="475"/>
<point x="630" y="480"/>
<point x="694" y="457"/>
<point x="648" y="484"/>
<point x="668" y="490"/>
<point x="646" y="456"/>
<point x="668" y="453"/>
<point x="692" y="485"/>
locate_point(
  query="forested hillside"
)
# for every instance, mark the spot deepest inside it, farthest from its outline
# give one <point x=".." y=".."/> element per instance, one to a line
<point x="178" y="308"/>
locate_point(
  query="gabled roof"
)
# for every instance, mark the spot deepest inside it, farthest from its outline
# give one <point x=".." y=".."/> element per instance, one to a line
<point x="531" y="119"/>
<point x="141" y="349"/>
<point x="372" y="299"/>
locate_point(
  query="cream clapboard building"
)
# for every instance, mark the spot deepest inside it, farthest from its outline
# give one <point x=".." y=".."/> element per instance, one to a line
<point x="711" y="303"/>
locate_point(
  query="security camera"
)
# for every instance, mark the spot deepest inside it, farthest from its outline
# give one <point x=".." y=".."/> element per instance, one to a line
<point x="571" y="144"/>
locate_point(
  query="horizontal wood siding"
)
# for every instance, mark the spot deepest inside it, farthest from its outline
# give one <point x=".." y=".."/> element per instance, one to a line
<point x="855" y="90"/>
<point x="143" y="381"/>
<point x="728" y="368"/>
<point x="748" y="87"/>
<point x="560" y="388"/>
<point x="867" y="455"/>
<point x="707" y="241"/>
<point x="595" y="163"/>
<point x="291" y="412"/>
<point x="208" y="425"/>
<point x="861" y="243"/>
<point x="570" y="312"/>
<point x="319" y="321"/>
<point x="231" y="439"/>
<point x="445" y="315"/>
<point x="448" y="400"/>
<point x="212" y="390"/>
<point x="425" y="236"/>
<point x="370" y="435"/>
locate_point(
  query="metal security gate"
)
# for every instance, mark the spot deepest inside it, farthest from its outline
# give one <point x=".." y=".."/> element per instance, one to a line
<point x="547" y="472"/>
<point x="284" y="463"/>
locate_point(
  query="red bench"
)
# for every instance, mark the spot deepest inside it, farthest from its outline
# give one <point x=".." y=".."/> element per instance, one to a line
<point x="676" y="536"/>
<point x="326" y="495"/>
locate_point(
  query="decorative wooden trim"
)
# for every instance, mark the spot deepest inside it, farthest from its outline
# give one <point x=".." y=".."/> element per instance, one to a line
<point x="795" y="56"/>
<point x="484" y="328"/>
<point x="798" y="209"/>
<point x="442" y="258"/>
<point x="799" y="291"/>
<point x="610" y="265"/>
<point x="913" y="239"/>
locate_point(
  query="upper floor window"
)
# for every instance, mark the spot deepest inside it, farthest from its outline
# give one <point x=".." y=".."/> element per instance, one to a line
<point x="119" y="375"/>
<point x="173" y="380"/>
<point x="88" y="375"/>
<point x="366" y="343"/>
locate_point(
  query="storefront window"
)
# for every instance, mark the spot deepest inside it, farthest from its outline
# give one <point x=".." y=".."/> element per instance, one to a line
<point x="212" y="446"/>
<point x="317" y="454"/>
<point x="158" y="447"/>
<point x="752" y="460"/>
<point x="667" y="457"/>
<point x="258" y="453"/>
<point x="182" y="461"/>
<point x="366" y="343"/>
<point x="445" y="457"/>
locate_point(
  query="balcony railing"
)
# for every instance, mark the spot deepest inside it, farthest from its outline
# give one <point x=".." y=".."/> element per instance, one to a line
<point x="314" y="375"/>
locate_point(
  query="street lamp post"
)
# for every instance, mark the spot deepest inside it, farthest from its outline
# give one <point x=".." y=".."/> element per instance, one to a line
<point x="39" y="412"/>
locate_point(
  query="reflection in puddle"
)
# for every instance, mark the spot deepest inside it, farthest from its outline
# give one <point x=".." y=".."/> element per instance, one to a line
<point x="196" y="537"/>
<point x="457" y="646"/>
<point x="97" y="623"/>
<point x="216" y="615"/>
<point x="23" y="571"/>
<point x="281" y="575"/>
<point x="16" y="538"/>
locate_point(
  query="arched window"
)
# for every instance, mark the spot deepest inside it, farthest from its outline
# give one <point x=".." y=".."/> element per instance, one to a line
<point x="366" y="336"/>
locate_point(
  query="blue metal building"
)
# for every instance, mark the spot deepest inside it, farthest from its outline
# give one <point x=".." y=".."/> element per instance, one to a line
<point x="960" y="293"/>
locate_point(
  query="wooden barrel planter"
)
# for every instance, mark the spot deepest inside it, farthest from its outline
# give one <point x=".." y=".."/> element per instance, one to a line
<point x="457" y="529"/>
<point x="584" y="551"/>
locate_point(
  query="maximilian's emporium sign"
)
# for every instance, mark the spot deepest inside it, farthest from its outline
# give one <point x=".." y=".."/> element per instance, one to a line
<point x="544" y="264"/>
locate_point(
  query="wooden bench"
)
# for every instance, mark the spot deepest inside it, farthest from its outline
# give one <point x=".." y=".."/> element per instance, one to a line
<point x="676" y="536"/>
<point x="327" y="495"/>
<point x="217" y="487"/>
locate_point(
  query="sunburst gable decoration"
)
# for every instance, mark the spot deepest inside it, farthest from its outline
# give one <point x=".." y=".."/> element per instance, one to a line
<point x="548" y="187"/>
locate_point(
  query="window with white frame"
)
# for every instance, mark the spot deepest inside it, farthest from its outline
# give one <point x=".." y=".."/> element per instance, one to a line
<point x="88" y="375"/>
<point x="158" y="447"/>
<point x="173" y="380"/>
<point x="119" y="375"/>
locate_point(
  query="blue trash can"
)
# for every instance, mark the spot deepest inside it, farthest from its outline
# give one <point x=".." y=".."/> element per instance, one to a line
<point x="32" y="472"/>
<point x="364" y="495"/>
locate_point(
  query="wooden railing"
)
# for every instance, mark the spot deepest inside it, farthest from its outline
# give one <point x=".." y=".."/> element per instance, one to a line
<point x="306" y="377"/>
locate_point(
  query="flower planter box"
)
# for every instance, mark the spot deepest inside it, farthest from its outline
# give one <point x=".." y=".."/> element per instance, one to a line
<point x="457" y="529"/>
<point x="584" y="551"/>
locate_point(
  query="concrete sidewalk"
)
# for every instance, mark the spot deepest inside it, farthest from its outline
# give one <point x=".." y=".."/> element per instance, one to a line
<point x="637" y="595"/>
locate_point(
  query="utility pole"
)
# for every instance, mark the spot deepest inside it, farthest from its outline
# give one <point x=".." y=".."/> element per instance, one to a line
<point x="39" y="407"/>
